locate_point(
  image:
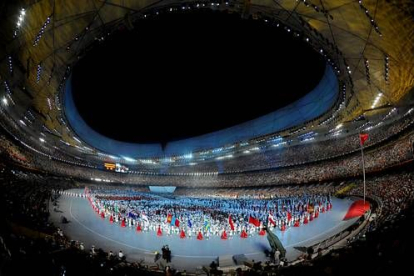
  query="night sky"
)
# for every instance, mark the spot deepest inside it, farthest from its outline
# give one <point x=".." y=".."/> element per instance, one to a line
<point x="182" y="75"/>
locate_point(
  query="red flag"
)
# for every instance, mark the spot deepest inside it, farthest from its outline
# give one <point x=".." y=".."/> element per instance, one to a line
<point x="177" y="223"/>
<point x="231" y="223"/>
<point x="289" y="216"/>
<point x="363" y="137"/>
<point x="254" y="221"/>
<point x="169" y="218"/>
<point x="357" y="209"/>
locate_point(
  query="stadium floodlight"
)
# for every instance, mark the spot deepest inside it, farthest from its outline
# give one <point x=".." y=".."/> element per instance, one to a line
<point x="4" y="100"/>
<point x="377" y="99"/>
<point x="339" y="126"/>
<point x="42" y="140"/>
<point x="20" y="19"/>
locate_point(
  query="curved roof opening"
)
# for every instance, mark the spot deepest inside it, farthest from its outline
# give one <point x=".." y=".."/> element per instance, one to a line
<point x="182" y="75"/>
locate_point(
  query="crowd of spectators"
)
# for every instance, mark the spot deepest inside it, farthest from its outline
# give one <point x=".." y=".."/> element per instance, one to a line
<point x="384" y="246"/>
<point x="385" y="251"/>
<point x="395" y="193"/>
<point x="299" y="153"/>
<point x="269" y="192"/>
<point x="325" y="149"/>
<point x="377" y="159"/>
<point x="30" y="244"/>
<point x="8" y="149"/>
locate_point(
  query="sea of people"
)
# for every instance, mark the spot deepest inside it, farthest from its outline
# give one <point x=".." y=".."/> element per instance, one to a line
<point x="389" y="155"/>
<point x="204" y="216"/>
<point x="340" y="154"/>
<point x="325" y="148"/>
<point x="29" y="242"/>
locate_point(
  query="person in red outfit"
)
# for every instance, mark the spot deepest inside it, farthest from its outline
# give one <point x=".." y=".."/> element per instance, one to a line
<point x="182" y="234"/>
<point x="262" y="232"/>
<point x="199" y="235"/>
<point x="224" y="235"/>
<point x="297" y="224"/>
<point x="243" y="234"/>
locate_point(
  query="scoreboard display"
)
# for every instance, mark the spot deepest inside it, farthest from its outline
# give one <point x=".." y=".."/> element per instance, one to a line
<point x="110" y="166"/>
<point x="116" y="167"/>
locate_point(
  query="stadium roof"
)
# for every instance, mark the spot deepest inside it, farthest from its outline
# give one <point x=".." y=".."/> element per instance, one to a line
<point x="371" y="44"/>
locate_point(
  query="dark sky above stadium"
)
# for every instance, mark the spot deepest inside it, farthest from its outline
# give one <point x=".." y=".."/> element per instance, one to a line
<point x="182" y="75"/>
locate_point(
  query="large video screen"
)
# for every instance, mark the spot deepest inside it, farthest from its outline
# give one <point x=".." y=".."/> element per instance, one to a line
<point x="162" y="189"/>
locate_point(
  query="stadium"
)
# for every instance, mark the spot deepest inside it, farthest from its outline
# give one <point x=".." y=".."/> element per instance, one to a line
<point x="230" y="137"/>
